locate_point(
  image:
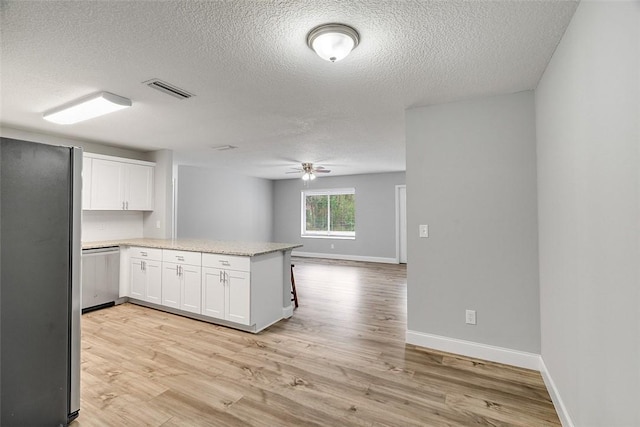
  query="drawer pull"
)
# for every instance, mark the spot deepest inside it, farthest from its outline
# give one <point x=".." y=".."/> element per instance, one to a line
<point x="224" y="262"/>
<point x="180" y="258"/>
<point x="143" y="254"/>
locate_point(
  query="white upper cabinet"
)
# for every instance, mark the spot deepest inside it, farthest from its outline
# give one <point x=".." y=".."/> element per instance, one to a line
<point x="139" y="191"/>
<point x="119" y="184"/>
<point x="107" y="185"/>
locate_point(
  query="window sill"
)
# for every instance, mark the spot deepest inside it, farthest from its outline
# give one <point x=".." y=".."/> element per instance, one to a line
<point x="310" y="236"/>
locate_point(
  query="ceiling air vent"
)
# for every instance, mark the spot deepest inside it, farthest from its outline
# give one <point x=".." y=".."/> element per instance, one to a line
<point x="169" y="89"/>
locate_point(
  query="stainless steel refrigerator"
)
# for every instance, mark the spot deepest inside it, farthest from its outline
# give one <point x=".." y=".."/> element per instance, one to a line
<point x="40" y="249"/>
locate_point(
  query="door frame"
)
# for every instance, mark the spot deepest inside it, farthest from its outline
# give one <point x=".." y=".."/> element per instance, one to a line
<point x="398" y="187"/>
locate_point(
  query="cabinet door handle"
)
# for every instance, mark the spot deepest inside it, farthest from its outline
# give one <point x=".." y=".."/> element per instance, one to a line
<point x="180" y="270"/>
<point x="123" y="205"/>
<point x="226" y="277"/>
<point x="127" y="203"/>
<point x="144" y="265"/>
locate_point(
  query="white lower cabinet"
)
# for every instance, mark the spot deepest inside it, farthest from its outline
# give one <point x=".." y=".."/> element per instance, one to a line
<point x="190" y="290"/>
<point x="226" y="294"/>
<point x="170" y="284"/>
<point x="243" y="291"/>
<point x="138" y="279"/>
<point x="181" y="280"/>
<point x="213" y="292"/>
<point x="145" y="280"/>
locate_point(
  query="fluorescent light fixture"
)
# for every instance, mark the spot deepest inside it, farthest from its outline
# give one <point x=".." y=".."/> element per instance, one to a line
<point x="333" y="42"/>
<point x="87" y="108"/>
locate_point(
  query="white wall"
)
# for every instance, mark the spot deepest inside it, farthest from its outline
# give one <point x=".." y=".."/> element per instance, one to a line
<point x="375" y="216"/>
<point x="221" y="205"/>
<point x="471" y="176"/>
<point x="588" y="115"/>
<point x="111" y="225"/>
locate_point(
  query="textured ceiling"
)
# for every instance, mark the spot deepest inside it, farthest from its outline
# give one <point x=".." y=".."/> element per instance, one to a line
<point x="257" y="85"/>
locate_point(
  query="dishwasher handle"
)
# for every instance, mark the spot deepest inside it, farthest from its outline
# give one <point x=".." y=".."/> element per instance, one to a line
<point x="108" y="250"/>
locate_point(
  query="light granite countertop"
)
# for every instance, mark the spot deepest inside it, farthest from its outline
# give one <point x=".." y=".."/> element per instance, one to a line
<point x="193" y="245"/>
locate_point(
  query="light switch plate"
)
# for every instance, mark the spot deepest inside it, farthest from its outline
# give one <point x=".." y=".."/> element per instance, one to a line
<point x="424" y="230"/>
<point x="470" y="317"/>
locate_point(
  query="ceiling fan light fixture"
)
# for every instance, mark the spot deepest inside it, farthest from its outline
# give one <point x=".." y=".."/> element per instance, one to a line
<point x="333" y="42"/>
<point x="86" y="108"/>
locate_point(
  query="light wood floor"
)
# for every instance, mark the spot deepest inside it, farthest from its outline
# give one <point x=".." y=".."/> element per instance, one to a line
<point x="340" y="361"/>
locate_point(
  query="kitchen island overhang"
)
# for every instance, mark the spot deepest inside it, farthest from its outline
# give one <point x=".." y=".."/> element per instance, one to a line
<point x="243" y="285"/>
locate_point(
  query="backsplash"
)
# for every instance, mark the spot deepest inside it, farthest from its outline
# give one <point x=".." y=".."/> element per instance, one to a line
<point x="109" y="225"/>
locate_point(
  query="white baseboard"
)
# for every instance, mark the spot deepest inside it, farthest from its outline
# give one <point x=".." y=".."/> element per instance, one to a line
<point x="287" y="312"/>
<point x="563" y="414"/>
<point x="345" y="257"/>
<point x="491" y="353"/>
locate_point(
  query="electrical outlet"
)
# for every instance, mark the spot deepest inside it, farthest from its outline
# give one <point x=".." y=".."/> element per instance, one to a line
<point x="424" y="231"/>
<point x="158" y="224"/>
<point x="333" y="246"/>
<point x="470" y="317"/>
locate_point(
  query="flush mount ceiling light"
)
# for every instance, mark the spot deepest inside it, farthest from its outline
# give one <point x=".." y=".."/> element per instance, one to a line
<point x="333" y="42"/>
<point x="87" y="108"/>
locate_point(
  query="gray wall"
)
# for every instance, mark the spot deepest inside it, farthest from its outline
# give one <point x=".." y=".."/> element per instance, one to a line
<point x="588" y="114"/>
<point x="471" y="176"/>
<point x="163" y="197"/>
<point x="221" y="205"/>
<point x="375" y="215"/>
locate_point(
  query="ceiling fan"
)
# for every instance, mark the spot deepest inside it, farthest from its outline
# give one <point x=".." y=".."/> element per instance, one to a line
<point x="310" y="171"/>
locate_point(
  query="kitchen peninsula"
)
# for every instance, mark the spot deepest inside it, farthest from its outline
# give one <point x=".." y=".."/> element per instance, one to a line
<point x="243" y="285"/>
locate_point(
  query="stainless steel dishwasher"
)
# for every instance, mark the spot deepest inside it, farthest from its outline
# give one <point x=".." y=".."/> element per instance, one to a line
<point x="100" y="278"/>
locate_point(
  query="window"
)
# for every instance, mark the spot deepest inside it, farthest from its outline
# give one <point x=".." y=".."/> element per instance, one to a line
<point x="329" y="213"/>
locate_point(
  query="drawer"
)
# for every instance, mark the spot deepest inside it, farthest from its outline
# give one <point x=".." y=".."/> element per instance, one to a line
<point x="228" y="262"/>
<point x="146" y="253"/>
<point x="182" y="257"/>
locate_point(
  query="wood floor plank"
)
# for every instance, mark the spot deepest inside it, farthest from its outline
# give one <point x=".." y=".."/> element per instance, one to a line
<point x="341" y="360"/>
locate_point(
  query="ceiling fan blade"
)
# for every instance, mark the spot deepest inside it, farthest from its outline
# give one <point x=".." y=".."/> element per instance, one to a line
<point x="293" y="172"/>
<point x="322" y="170"/>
